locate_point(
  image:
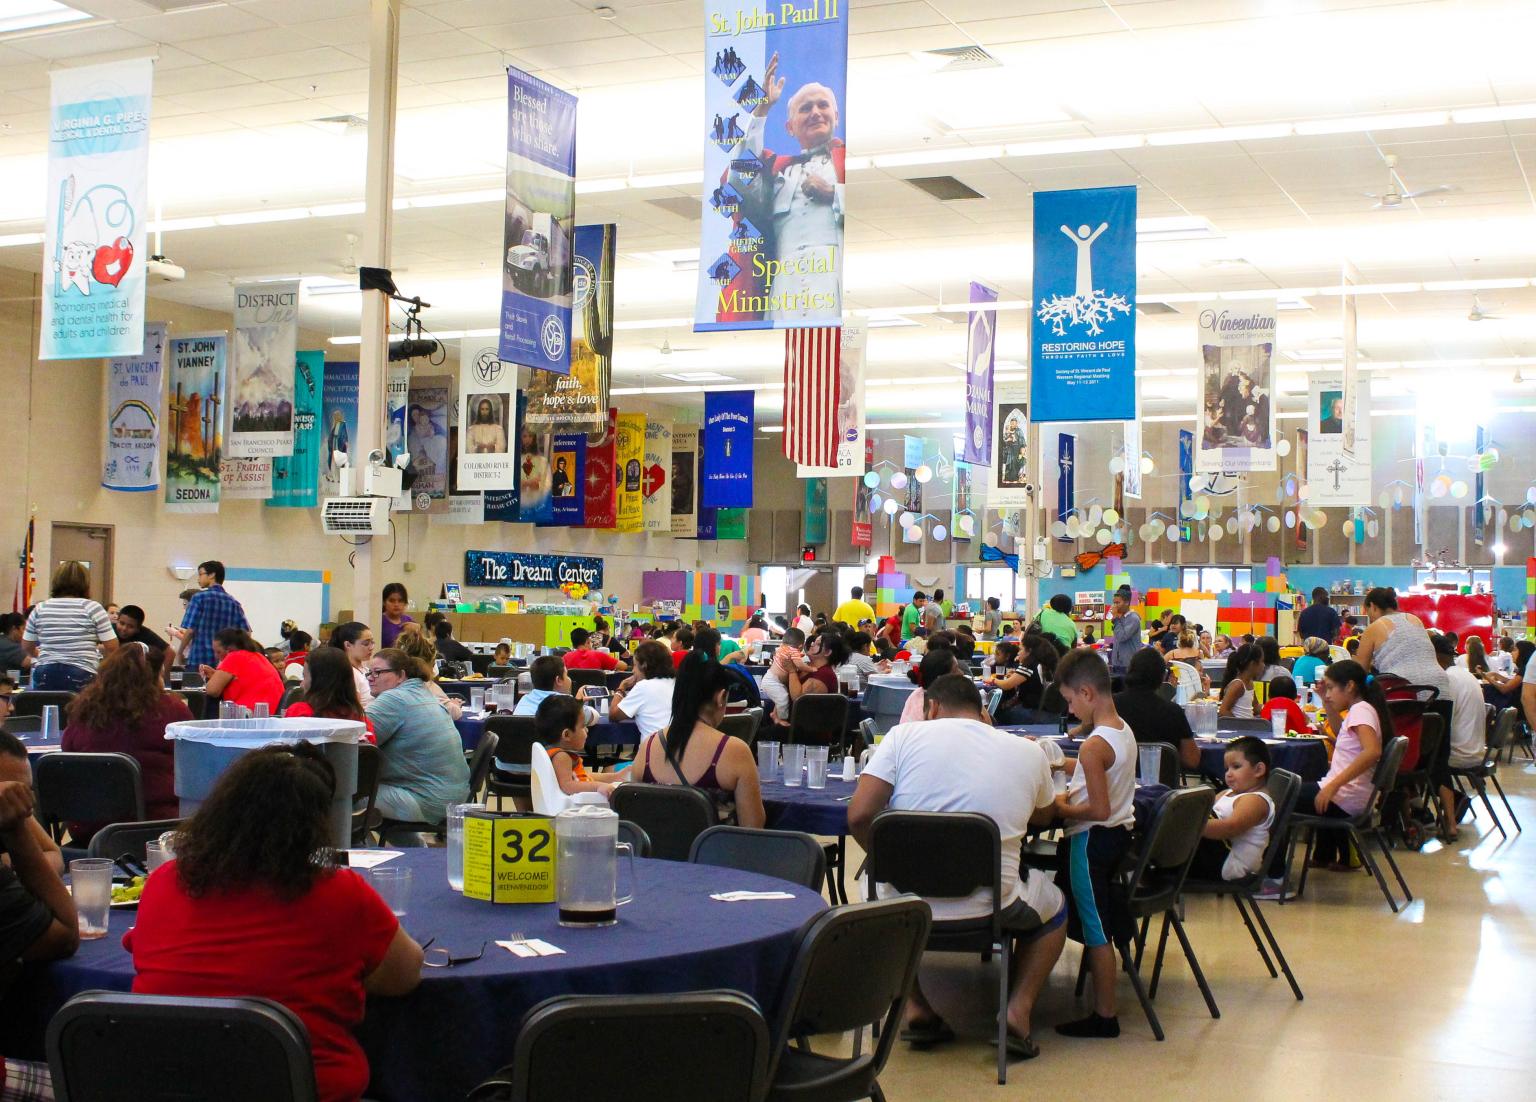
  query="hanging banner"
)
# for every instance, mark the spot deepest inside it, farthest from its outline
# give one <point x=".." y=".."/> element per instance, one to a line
<point x="863" y="534"/>
<point x="1066" y="478"/>
<point x="535" y="468"/>
<point x="850" y="407"/>
<point x="578" y="399"/>
<point x="1479" y="490"/>
<point x="536" y="274"/>
<point x="195" y="441"/>
<point x="1009" y="477"/>
<point x="1083" y="334"/>
<point x="685" y="513"/>
<point x="500" y="505"/>
<point x="655" y="488"/>
<point x="771" y="241"/>
<point x="396" y="395"/>
<point x="135" y="394"/>
<point x="296" y="478"/>
<point x="93" y="232"/>
<point x="487" y="405"/>
<point x="629" y="472"/>
<point x="463" y="509"/>
<point x="726" y="481"/>
<point x="912" y="449"/>
<point x="962" y="510"/>
<point x="600" y="488"/>
<point x="1130" y="455"/>
<point x="426" y="439"/>
<point x="980" y="355"/>
<point x="815" y="527"/>
<point x="567" y="482"/>
<point x="338" y="415"/>
<point x="1186" y="470"/>
<point x="1236" y="422"/>
<point x="1333" y="478"/>
<point x="243" y="477"/>
<point x="730" y="524"/>
<point x="1350" y="386"/>
<point x="261" y="368"/>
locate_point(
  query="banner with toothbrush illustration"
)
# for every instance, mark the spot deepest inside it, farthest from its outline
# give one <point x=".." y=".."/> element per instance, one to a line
<point x="94" y="245"/>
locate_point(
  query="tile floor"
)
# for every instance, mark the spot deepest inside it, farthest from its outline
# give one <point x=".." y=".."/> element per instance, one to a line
<point x="1438" y="1001"/>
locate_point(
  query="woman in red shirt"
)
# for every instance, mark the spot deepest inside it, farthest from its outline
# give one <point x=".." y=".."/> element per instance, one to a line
<point x="124" y="710"/>
<point x="244" y="912"/>
<point x="329" y="691"/>
<point x="244" y="676"/>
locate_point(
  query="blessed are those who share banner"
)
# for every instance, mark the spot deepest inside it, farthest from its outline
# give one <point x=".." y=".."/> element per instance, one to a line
<point x="94" y="229"/>
<point x="771" y="241"/>
<point x="135" y="393"/>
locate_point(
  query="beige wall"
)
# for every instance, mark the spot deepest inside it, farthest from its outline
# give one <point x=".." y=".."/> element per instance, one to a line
<point x="55" y="419"/>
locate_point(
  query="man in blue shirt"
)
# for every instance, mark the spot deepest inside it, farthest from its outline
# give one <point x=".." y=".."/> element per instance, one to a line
<point x="209" y="612"/>
<point x="549" y="677"/>
<point x="1127" y="632"/>
<point x="1319" y="619"/>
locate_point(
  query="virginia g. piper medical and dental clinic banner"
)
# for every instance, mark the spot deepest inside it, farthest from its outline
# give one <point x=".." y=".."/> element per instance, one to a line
<point x="1083" y="333"/>
<point x="539" y="220"/>
<point x="93" y="232"/>
<point x="771" y="242"/>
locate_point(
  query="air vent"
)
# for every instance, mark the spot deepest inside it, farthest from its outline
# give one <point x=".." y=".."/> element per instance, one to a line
<point x="1154" y="309"/>
<point x="963" y="57"/>
<point x="946" y="189"/>
<point x="683" y="206"/>
<point x="351" y="122"/>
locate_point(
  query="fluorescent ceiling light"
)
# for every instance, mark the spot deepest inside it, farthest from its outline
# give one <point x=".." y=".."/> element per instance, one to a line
<point x="983" y="99"/>
<point x="453" y="199"/>
<point x="30" y="15"/>
<point x="654" y="323"/>
<point x="1363" y="123"/>
<point x="254" y="217"/>
<point x="698" y="377"/>
<point x="170" y="224"/>
<point x="956" y="155"/>
<point x="327" y="286"/>
<point x="1475" y="284"/>
<point x="606" y="183"/>
<point x="1176" y="228"/>
<point x="1076" y="145"/>
<point x="1507" y="113"/>
<point x="1258" y="132"/>
<point x="336" y="210"/>
<point x="891" y="322"/>
<point x="21" y="239"/>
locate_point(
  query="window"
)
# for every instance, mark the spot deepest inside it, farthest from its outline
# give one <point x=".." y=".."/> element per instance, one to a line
<point x="846" y="577"/>
<point x="1218" y="579"/>
<point x="773" y="581"/>
<point x="1011" y="590"/>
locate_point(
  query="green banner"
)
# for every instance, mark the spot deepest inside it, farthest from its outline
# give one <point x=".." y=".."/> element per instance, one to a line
<point x="815" y="510"/>
<point x="296" y="477"/>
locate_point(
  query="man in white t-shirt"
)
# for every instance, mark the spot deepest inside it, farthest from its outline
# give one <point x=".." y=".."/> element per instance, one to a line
<point x="957" y="762"/>
<point x="1468" y="731"/>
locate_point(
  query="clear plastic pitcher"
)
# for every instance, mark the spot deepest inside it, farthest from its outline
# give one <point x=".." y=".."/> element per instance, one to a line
<point x="587" y="865"/>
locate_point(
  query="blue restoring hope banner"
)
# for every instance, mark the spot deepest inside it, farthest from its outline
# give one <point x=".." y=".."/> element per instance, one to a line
<point x="539" y="222"/>
<point x="1083" y="335"/>
<point x="498" y="568"/>
<point x="727" y="474"/>
<point x="771" y="242"/>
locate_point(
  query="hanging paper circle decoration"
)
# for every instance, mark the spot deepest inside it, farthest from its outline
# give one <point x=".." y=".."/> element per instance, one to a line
<point x="1397" y="497"/>
<point x="871" y="479"/>
<point x="1384" y="500"/>
<point x="990" y="539"/>
<point x="874" y="502"/>
<point x="1117" y="464"/>
<point x="1530" y="495"/>
<point x="1290" y="487"/>
<point x="891" y="505"/>
<point x="1290" y="519"/>
<point x="1103" y="536"/>
<point x="899" y="480"/>
<point x="1148" y="465"/>
<point x="1458" y="488"/>
<point x="1515" y="522"/>
<point x="914" y="533"/>
<point x="1373" y="528"/>
<point x="1232" y="525"/>
<point x="906" y="520"/>
<point x="1059" y="529"/>
<point x="1303" y="491"/>
<point x="1215" y="533"/>
<point x="1095" y="514"/>
<point x="924" y="474"/>
<point x="1111" y="516"/>
<point x="939" y="532"/>
<point x="1283" y="448"/>
<point x="1439" y="486"/>
<point x="1273" y="524"/>
<point x="1173" y="535"/>
<point x="1074" y="526"/>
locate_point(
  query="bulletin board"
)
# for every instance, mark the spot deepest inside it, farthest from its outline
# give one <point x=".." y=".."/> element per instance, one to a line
<point x="272" y="596"/>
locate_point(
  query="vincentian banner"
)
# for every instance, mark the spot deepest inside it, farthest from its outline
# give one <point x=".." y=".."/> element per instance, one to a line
<point x="628" y="472"/>
<point x="244" y="477"/>
<point x="396" y="395"/>
<point x="568" y="481"/>
<point x="1236" y="410"/>
<point x="980" y="355"/>
<point x="296" y="478"/>
<point x="727" y="474"/>
<point x="578" y="399"/>
<point x="912" y="456"/>
<point x="814" y="529"/>
<point x="1186" y="469"/>
<point x="261" y="369"/>
<point x="1010" y="474"/>
<point x="93" y="230"/>
<point x="685" y="505"/>
<point x="1303" y="449"/>
<point x="600" y="488"/>
<point x="848" y="402"/>
<point x="426" y="439"/>
<point x="463" y="509"/>
<point x="195" y="442"/>
<point x="771" y="242"/>
<point x="536" y="277"/>
<point x="655" y="485"/>
<point x="1333" y="477"/>
<point x="338" y="416"/>
<point x="487" y="412"/>
<point x="1083" y="334"/>
<point x="1130" y="455"/>
<point x="535" y="467"/>
<point x="730" y="524"/>
<point x="1066" y="477"/>
<point x="135" y="394"/>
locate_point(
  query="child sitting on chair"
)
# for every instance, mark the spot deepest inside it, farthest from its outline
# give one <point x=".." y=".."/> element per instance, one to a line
<point x="1282" y="698"/>
<point x="561" y="723"/>
<point x="1232" y="844"/>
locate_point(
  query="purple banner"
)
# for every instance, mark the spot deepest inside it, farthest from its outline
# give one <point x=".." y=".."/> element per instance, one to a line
<point x="980" y="355"/>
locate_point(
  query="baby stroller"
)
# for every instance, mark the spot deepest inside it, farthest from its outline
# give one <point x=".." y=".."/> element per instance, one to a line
<point x="1409" y="811"/>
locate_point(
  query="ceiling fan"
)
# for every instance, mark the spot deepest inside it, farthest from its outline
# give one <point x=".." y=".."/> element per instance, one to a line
<point x="666" y="347"/>
<point x="1479" y="314"/>
<point x="1396" y="193"/>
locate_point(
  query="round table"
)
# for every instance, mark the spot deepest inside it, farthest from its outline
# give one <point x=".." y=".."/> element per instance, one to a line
<point x="814" y="810"/>
<point x="605" y="732"/>
<point x="884" y="697"/>
<point x="460" y="1025"/>
<point x="1306" y="757"/>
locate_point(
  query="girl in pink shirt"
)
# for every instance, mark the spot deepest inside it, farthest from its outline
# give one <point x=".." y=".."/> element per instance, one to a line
<point x="1357" y="709"/>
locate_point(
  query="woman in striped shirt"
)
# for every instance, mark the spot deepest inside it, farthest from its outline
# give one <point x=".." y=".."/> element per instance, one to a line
<point x="68" y="633"/>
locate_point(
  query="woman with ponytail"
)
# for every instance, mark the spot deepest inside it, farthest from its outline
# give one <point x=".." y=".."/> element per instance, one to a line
<point x="1357" y="711"/>
<point x="695" y="752"/>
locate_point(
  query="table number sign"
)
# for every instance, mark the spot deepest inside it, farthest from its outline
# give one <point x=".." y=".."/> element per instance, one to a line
<point x="509" y="858"/>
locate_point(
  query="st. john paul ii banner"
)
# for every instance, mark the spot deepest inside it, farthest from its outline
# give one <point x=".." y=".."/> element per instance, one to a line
<point x="727" y="478"/>
<point x="94" y="230"/>
<point x="134" y="393"/>
<point x="487" y="420"/>
<point x="261" y="369"/>
<point x="1083" y="334"/>
<point x="771" y="243"/>
<point x="538" y="222"/>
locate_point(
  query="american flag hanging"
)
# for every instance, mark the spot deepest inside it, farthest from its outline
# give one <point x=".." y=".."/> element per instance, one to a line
<point x="811" y="373"/>
<point x="26" y="576"/>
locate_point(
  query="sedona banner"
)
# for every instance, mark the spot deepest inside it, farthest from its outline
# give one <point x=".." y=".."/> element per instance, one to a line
<point x="135" y="387"/>
<point x="195" y="441"/>
<point x="262" y="369"/>
<point x="579" y="398"/>
<point x="771" y="243"/>
<point x="538" y="221"/>
<point x="93" y="233"/>
<point x="296" y="478"/>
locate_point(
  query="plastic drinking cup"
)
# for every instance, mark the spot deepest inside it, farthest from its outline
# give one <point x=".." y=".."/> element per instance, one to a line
<point x="816" y="767"/>
<point x="1277" y="723"/>
<point x="1148" y="760"/>
<point x="90" y="882"/>
<point x="794" y="765"/>
<point x="394" y="887"/>
<point x="477" y="699"/>
<point x="767" y="761"/>
<point x="50" y="720"/>
<point x="263" y="710"/>
<point x="155" y="855"/>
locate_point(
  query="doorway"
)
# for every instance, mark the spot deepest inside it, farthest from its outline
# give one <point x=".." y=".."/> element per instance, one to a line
<point x="90" y="544"/>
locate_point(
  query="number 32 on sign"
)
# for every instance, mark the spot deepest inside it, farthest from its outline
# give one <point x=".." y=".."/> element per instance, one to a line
<point x="509" y="858"/>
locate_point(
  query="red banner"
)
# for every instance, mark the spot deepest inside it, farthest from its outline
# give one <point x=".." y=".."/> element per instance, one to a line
<point x="601" y="490"/>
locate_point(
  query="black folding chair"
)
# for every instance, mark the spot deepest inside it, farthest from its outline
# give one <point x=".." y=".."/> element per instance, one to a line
<point x="512" y="758"/>
<point x="786" y="854"/>
<point x="819" y="719"/>
<point x="672" y="815"/>
<point x="480" y="761"/>
<point x="33" y="701"/>
<point x="1051" y="701"/>
<point x="87" y="788"/>
<point x="481" y="663"/>
<point x="108" y="1046"/>
<point x="632" y="834"/>
<point x="742" y="725"/>
<point x="290" y="696"/>
<point x="1361" y="826"/>
<point x="706" y="1046"/>
<point x="1284" y="786"/>
<point x="595" y="678"/>
<point x="853" y="967"/>
<point x="367" y="791"/>
<point x="129" y="839"/>
<point x="1416" y="784"/>
<point x="1487" y="770"/>
<point x="902" y="853"/>
<point x="23" y="725"/>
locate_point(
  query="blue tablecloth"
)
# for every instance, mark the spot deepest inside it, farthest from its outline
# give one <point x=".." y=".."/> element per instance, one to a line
<point x="460" y="1025"/>
<point x="37" y="746"/>
<point x="602" y="733"/>
<point x="813" y="810"/>
<point x="1306" y="757"/>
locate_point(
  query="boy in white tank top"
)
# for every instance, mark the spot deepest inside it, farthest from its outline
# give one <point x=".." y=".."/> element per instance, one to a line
<point x="1098" y="810"/>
